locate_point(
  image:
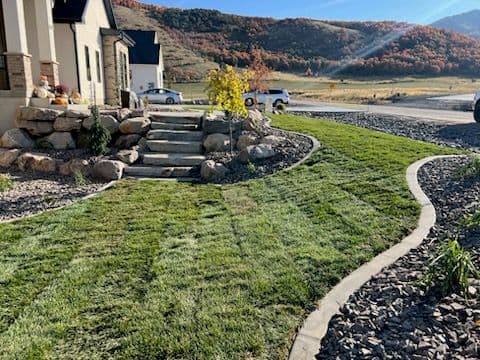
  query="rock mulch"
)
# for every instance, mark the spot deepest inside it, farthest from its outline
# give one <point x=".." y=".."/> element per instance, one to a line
<point x="391" y="317"/>
<point x="33" y="193"/>
<point x="291" y="149"/>
<point x="461" y="136"/>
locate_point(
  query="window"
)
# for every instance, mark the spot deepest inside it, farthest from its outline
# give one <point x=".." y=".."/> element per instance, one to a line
<point x="87" y="63"/>
<point x="99" y="73"/>
<point x="4" y="83"/>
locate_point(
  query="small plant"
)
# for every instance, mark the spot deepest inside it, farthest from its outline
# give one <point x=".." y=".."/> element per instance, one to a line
<point x="469" y="170"/>
<point x="99" y="136"/>
<point x="252" y="169"/>
<point x="80" y="179"/>
<point x="281" y="107"/>
<point x="5" y="183"/>
<point x="451" y="269"/>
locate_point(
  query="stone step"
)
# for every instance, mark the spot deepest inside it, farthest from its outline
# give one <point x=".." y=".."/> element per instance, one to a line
<point x="173" y="159"/>
<point x="187" y="117"/>
<point x="168" y="126"/>
<point x="160" y="172"/>
<point x="175" y="135"/>
<point x="165" y="146"/>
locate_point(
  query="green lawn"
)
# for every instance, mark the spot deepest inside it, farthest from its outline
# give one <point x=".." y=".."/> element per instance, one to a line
<point x="155" y="270"/>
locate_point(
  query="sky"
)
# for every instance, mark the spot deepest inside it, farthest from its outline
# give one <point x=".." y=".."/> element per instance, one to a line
<point x="414" y="11"/>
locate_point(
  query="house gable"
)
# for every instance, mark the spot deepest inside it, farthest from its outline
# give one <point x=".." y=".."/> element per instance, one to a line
<point x="147" y="50"/>
<point x="72" y="11"/>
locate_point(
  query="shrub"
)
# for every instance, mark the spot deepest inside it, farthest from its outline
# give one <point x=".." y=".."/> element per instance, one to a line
<point x="451" y="269"/>
<point x="99" y="136"/>
<point x="470" y="170"/>
<point x="80" y="179"/>
<point x="5" y="183"/>
<point x="251" y="168"/>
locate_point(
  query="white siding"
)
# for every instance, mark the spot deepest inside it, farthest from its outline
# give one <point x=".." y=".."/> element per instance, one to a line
<point x="67" y="68"/>
<point x="145" y="75"/>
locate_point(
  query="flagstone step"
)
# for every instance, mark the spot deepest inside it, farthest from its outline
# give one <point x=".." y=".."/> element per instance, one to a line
<point x="175" y="135"/>
<point x="176" y="159"/>
<point x="166" y="146"/>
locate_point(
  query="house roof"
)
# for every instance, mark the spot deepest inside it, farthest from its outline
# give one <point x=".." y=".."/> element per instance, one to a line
<point x="146" y="49"/>
<point x="121" y="35"/>
<point x="70" y="11"/>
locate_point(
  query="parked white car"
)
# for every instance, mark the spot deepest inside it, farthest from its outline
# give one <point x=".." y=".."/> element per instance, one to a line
<point x="276" y="96"/>
<point x="161" y="96"/>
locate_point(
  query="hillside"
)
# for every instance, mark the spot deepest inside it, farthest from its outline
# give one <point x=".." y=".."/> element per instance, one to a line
<point x="296" y="45"/>
<point x="466" y="23"/>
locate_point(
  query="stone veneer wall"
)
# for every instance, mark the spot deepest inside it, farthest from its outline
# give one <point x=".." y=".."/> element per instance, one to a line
<point x="20" y="75"/>
<point x="112" y="69"/>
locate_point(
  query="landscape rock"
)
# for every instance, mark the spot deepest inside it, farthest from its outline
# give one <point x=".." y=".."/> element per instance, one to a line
<point x="211" y="171"/>
<point x="77" y="114"/>
<point x="16" y="138"/>
<point x="75" y="166"/>
<point x="128" y="156"/>
<point x="127" y="141"/>
<point x="108" y="170"/>
<point x="31" y="113"/>
<point x="36" y="162"/>
<point x="35" y="128"/>
<point x="138" y="113"/>
<point x="8" y="157"/>
<point x="138" y="125"/>
<point x="255" y="115"/>
<point x="143" y="146"/>
<point x="67" y="124"/>
<point x="272" y="140"/>
<point x="124" y="114"/>
<point x="60" y="141"/>
<point x="216" y="123"/>
<point x="110" y="122"/>
<point x="246" y="140"/>
<point x="255" y="153"/>
<point x="217" y="143"/>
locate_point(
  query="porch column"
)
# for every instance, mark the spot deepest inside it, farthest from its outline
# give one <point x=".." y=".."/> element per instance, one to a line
<point x="46" y="40"/>
<point x="19" y="61"/>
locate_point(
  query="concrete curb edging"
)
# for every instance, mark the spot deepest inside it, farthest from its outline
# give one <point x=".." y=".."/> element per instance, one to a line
<point x="308" y="339"/>
<point x="86" y="197"/>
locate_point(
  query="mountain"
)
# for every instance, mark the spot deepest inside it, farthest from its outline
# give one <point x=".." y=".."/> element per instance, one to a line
<point x="467" y="23"/>
<point x="198" y="39"/>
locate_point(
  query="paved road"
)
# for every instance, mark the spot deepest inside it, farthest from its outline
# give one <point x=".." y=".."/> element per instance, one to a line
<point x="461" y="97"/>
<point x="439" y="116"/>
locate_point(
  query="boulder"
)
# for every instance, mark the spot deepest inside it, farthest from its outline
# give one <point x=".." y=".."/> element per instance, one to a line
<point x="217" y="143"/>
<point x="138" y="113"/>
<point x="250" y="125"/>
<point x="272" y="140"/>
<point x="128" y="156"/>
<point x="211" y="171"/>
<point x="75" y="166"/>
<point x="143" y="146"/>
<point x="127" y="141"/>
<point x="255" y="115"/>
<point x="246" y="140"/>
<point x="16" y="138"/>
<point x="38" y="114"/>
<point x="8" y="157"/>
<point x="138" y="125"/>
<point x="254" y="153"/>
<point x="124" y="114"/>
<point x="106" y="120"/>
<point x="35" y="128"/>
<point x="77" y="114"/>
<point x="216" y="123"/>
<point x="36" y="162"/>
<point x="67" y="124"/>
<point x="108" y="170"/>
<point x="60" y="141"/>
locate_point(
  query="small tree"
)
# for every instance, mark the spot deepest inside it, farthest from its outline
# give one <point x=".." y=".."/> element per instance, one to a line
<point x="259" y="74"/>
<point x="99" y="136"/>
<point x="225" y="89"/>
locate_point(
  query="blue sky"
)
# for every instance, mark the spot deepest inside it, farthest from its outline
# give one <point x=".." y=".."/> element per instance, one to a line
<point x="418" y="11"/>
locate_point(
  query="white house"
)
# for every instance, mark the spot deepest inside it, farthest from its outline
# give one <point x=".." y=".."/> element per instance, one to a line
<point x="146" y="60"/>
<point x="73" y="42"/>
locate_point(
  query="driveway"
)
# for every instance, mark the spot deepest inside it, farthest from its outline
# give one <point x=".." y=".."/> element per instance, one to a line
<point x="437" y="116"/>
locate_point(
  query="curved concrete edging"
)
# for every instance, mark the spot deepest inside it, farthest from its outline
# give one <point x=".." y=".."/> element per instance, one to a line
<point x="86" y="197"/>
<point x="308" y="339"/>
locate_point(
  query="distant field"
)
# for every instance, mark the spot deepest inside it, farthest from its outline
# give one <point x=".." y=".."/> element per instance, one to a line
<point x="354" y="90"/>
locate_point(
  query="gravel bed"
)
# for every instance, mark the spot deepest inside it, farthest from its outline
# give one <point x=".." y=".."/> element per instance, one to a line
<point x="33" y="193"/>
<point x="461" y="136"/>
<point x="391" y="317"/>
<point x="293" y="149"/>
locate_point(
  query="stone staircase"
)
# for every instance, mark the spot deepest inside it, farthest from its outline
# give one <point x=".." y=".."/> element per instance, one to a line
<point x="175" y="147"/>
